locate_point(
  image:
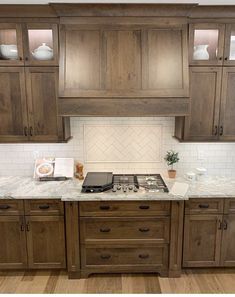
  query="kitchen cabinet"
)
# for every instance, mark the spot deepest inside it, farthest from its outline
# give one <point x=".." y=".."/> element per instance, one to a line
<point x="32" y="241"/>
<point x="45" y="241"/>
<point x="19" y="41"/>
<point x="123" y="57"/>
<point x="130" y="236"/>
<point x="209" y="233"/>
<point x="202" y="238"/>
<point x="28" y="105"/>
<point x="212" y="111"/>
<point x="13" y="253"/>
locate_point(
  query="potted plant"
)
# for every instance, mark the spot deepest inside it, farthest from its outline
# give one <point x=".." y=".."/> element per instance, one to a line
<point x="171" y="158"/>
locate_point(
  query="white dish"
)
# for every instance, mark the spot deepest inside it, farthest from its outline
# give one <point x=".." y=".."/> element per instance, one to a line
<point x="43" y="53"/>
<point x="44" y="169"/>
<point x="9" y="51"/>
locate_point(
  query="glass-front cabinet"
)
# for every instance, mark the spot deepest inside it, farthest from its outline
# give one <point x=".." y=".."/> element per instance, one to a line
<point x="34" y="44"/>
<point x="206" y="44"/>
<point x="229" y="50"/>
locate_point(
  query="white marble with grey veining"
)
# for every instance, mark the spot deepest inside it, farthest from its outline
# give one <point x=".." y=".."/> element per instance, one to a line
<point x="12" y="187"/>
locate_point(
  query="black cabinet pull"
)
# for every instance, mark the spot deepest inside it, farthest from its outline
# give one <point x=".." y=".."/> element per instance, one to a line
<point x="143" y="256"/>
<point x="27" y="227"/>
<point x="4" y="206"/>
<point x="105" y="230"/>
<point x="220" y="225"/>
<point x="216" y="130"/>
<point x="44" y="206"/>
<point x="20" y="58"/>
<point x="104" y="207"/>
<point x="225" y="225"/>
<point x="221" y="131"/>
<point x="22" y="227"/>
<point x="105" y="257"/>
<point x="143" y="207"/>
<point x="226" y="58"/>
<point x="220" y="58"/>
<point x="203" y="205"/>
<point x="31" y="131"/>
<point x="25" y="131"/>
<point x="144" y="229"/>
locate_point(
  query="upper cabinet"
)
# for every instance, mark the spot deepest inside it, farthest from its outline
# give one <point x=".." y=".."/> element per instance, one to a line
<point x="123" y="57"/>
<point x="212" y="44"/>
<point x="33" y="44"/>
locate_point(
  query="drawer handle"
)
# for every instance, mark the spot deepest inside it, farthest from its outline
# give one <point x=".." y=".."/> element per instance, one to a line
<point x="104" y="207"/>
<point x="143" y="256"/>
<point x="144" y="229"/>
<point x="44" y="206"/>
<point x="105" y="230"/>
<point x="105" y="257"/>
<point x="4" y="206"/>
<point x="203" y="205"/>
<point x="143" y="207"/>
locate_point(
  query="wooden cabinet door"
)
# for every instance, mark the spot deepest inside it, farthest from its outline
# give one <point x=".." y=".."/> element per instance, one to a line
<point x="165" y="62"/>
<point x="41" y="85"/>
<point x="45" y="241"/>
<point x="228" y="241"/>
<point x="205" y="87"/>
<point x="202" y="240"/>
<point x="13" y="105"/>
<point x="13" y="253"/>
<point x="227" y="113"/>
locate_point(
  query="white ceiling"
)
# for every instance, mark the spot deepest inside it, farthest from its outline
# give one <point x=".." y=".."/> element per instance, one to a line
<point x="201" y="2"/>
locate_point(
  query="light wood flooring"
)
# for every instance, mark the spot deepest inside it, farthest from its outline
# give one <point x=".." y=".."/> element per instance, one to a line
<point x="191" y="281"/>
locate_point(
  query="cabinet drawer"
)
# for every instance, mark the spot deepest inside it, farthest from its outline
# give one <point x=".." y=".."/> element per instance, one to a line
<point x="124" y="256"/>
<point x="229" y="205"/>
<point x="44" y="207"/>
<point x="210" y="205"/>
<point x="132" y="208"/>
<point x="11" y="207"/>
<point x="125" y="229"/>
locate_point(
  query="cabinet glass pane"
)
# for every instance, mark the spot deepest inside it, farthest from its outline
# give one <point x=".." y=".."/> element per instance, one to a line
<point x="41" y="44"/>
<point x="8" y="44"/>
<point x="232" y="46"/>
<point x="205" y="44"/>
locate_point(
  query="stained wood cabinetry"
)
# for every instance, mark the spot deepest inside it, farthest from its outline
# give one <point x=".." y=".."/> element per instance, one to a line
<point x="123" y="57"/>
<point x="128" y="236"/>
<point x="28" y="240"/>
<point x="209" y="229"/>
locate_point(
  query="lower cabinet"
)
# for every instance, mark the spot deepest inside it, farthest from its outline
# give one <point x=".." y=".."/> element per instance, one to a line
<point x="127" y="236"/>
<point x="209" y="237"/>
<point x="31" y="241"/>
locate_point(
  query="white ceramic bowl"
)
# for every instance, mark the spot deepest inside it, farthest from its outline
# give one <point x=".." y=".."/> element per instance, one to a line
<point x="9" y="51"/>
<point x="43" y="55"/>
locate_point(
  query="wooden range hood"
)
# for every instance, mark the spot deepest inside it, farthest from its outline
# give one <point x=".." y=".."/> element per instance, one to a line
<point x="123" y="59"/>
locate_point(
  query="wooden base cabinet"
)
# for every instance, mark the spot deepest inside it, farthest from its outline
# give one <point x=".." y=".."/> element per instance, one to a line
<point x="31" y="241"/>
<point x="130" y="236"/>
<point x="209" y="237"/>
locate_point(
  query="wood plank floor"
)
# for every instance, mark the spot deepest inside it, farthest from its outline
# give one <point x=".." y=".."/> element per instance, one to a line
<point x="191" y="281"/>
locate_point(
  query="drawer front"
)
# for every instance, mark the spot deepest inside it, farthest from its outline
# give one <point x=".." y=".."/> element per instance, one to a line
<point x="11" y="207"/>
<point x="135" y="208"/>
<point x="229" y="205"/>
<point x="210" y="205"/>
<point x="124" y="256"/>
<point x="44" y="207"/>
<point x="124" y="229"/>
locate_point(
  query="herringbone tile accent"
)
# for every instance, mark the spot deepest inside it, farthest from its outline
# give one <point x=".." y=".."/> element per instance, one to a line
<point x="122" y="143"/>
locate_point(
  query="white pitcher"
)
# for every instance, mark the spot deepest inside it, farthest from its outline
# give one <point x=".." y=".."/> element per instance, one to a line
<point x="200" y="52"/>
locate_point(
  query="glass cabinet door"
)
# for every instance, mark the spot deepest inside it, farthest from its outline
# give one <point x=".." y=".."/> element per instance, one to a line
<point x="11" y="51"/>
<point x="229" y="54"/>
<point x="206" y="44"/>
<point x="41" y="44"/>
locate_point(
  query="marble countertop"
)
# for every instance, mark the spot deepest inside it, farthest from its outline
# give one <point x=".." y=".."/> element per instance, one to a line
<point x="12" y="187"/>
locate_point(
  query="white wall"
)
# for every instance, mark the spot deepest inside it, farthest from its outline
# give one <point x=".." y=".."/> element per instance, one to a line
<point x="18" y="159"/>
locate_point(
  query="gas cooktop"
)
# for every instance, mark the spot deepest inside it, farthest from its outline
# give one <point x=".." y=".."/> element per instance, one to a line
<point x="96" y="182"/>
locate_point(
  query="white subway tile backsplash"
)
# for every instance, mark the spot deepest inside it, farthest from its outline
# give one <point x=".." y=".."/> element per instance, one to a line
<point x="218" y="158"/>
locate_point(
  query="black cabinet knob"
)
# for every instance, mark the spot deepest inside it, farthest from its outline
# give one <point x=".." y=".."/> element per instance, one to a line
<point x="104" y="207"/>
<point x="105" y="230"/>
<point x="143" y="207"/>
<point x="144" y="256"/>
<point x="203" y="205"/>
<point x="4" y="206"/>
<point x="105" y="257"/>
<point x="144" y="229"/>
<point x="44" y="206"/>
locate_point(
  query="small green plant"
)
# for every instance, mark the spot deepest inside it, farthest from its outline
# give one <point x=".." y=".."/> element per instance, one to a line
<point x="171" y="158"/>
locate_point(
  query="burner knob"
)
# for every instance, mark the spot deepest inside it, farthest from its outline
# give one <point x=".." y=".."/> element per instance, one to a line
<point x="119" y="187"/>
<point x="135" y="189"/>
<point x="114" y="190"/>
<point x="124" y="189"/>
<point x="130" y="187"/>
